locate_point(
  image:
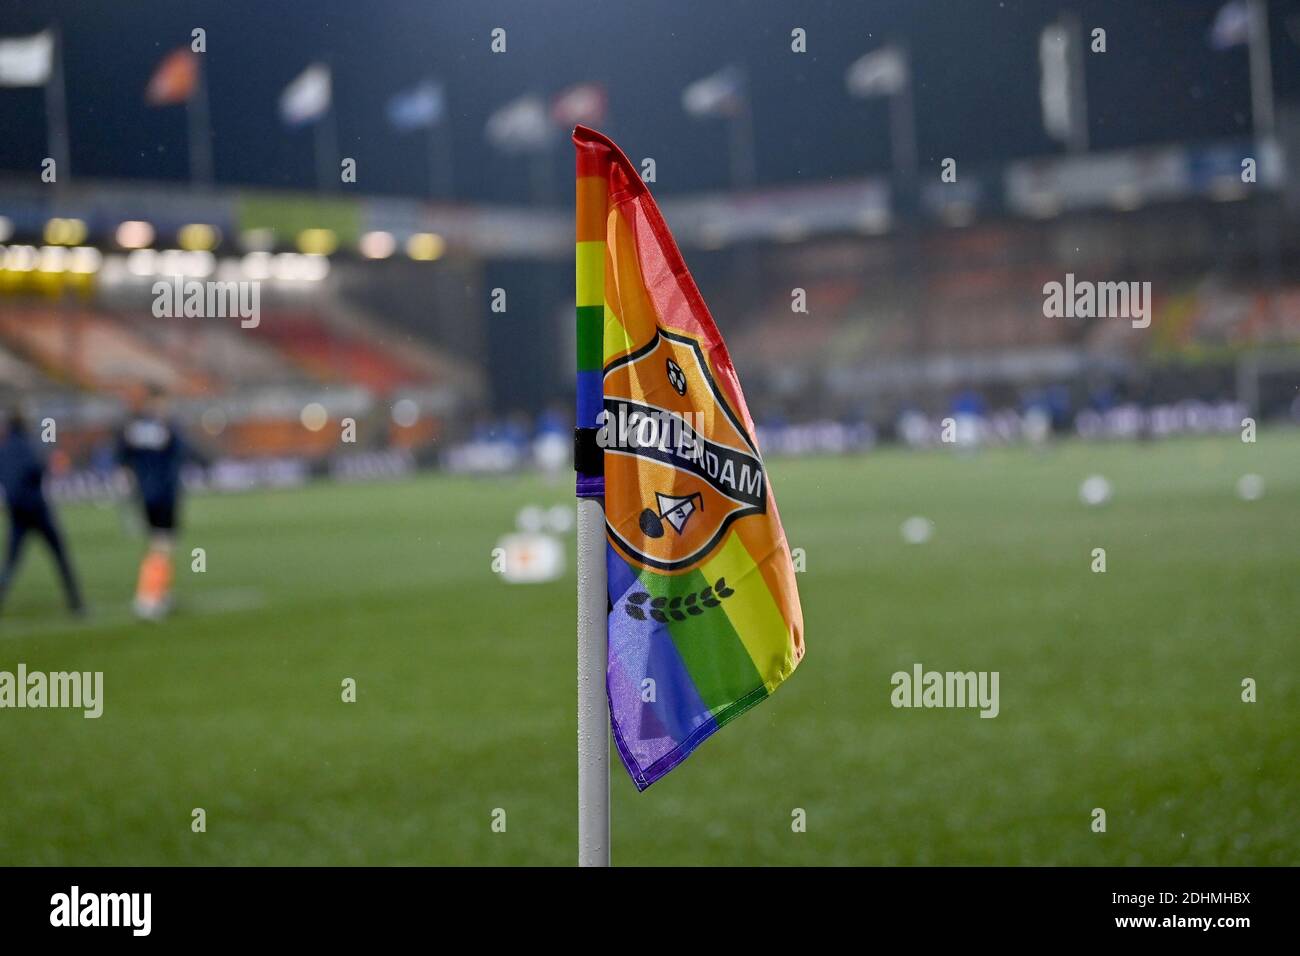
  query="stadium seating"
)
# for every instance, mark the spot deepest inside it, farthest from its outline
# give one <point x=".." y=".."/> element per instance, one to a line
<point x="331" y="355"/>
<point x="85" y="348"/>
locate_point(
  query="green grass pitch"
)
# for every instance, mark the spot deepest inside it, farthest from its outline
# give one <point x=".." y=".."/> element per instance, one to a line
<point x="1119" y="690"/>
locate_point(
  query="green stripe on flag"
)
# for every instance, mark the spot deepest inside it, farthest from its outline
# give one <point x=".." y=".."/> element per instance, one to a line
<point x="718" y="662"/>
<point x="591" y="337"/>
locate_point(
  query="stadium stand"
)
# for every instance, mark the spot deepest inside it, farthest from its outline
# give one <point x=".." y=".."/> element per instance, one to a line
<point x="88" y="349"/>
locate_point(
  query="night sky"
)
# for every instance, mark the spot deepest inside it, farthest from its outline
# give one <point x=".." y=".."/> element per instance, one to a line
<point x="976" y="64"/>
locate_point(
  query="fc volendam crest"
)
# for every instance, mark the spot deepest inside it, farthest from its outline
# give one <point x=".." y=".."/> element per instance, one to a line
<point x="680" y="467"/>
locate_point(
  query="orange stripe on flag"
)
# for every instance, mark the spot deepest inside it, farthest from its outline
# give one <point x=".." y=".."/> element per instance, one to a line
<point x="591" y="209"/>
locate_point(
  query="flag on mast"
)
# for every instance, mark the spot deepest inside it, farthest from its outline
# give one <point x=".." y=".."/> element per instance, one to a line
<point x="307" y="97"/>
<point x="718" y="94"/>
<point x="704" y="617"/>
<point x="581" y="103"/>
<point x="420" y="107"/>
<point x="520" y="126"/>
<point x="1231" y="26"/>
<point x="175" y="79"/>
<point x="881" y="72"/>
<point x="27" y="61"/>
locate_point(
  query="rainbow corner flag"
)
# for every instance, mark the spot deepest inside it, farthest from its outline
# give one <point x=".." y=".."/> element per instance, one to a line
<point x="704" y="616"/>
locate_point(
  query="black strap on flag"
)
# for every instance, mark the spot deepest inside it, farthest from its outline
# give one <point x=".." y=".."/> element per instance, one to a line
<point x="588" y="456"/>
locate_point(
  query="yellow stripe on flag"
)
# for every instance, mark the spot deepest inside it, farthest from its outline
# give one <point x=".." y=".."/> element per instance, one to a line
<point x="617" y="341"/>
<point x="591" y="274"/>
<point x="753" y="612"/>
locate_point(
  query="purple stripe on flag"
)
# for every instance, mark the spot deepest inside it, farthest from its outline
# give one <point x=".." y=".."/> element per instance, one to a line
<point x="648" y="732"/>
<point x="591" y="486"/>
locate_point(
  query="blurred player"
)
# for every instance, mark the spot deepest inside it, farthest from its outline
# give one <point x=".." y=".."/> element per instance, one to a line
<point x="22" y="471"/>
<point x="152" y="449"/>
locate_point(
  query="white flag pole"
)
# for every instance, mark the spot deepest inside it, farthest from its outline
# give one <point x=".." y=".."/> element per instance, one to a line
<point x="593" y="706"/>
<point x="56" y="112"/>
<point x="1075" y="53"/>
<point x="1261" y="71"/>
<point x="741" y="128"/>
<point x="902" y="121"/>
<point x="200" y="130"/>
<point x="446" y="144"/>
<point x="593" y="594"/>
<point x="438" y="159"/>
<point x="327" y="138"/>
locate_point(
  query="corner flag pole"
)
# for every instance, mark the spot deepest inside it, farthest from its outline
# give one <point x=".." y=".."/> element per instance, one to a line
<point x="593" y="709"/>
<point x="589" y="462"/>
